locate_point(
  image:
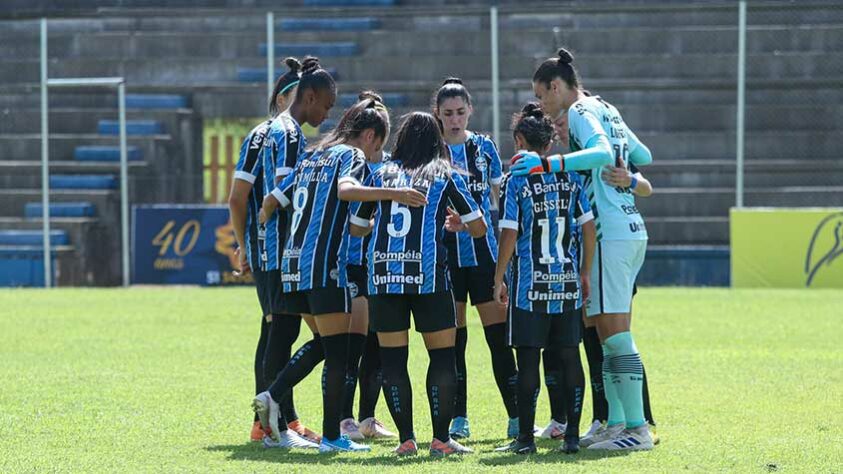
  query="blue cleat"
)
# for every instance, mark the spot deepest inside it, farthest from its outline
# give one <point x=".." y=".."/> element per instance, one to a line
<point x="459" y="428"/>
<point x="342" y="445"/>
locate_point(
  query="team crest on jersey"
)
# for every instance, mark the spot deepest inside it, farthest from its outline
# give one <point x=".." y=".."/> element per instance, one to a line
<point x="353" y="290"/>
<point x="334" y="274"/>
<point x="481" y="164"/>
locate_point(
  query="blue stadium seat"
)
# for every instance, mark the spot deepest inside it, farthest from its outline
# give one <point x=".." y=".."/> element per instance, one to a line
<point x="105" y="153"/>
<point x="156" y="101"/>
<point x="349" y="3"/>
<point x="330" y="24"/>
<point x="258" y="74"/>
<point x="32" y="238"/>
<point x="390" y="99"/>
<point x="23" y="267"/>
<point x="686" y="266"/>
<point x="133" y="127"/>
<point x="340" y="48"/>
<point x="34" y="210"/>
<point x="83" y="181"/>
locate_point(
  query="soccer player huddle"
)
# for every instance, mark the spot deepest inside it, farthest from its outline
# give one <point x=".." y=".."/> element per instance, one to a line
<point x="355" y="240"/>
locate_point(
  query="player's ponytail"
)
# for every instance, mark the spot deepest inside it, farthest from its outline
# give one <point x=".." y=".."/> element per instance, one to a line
<point x="561" y="67"/>
<point x="534" y="126"/>
<point x="285" y="84"/>
<point x="420" y="148"/>
<point x="313" y="77"/>
<point x="368" y="113"/>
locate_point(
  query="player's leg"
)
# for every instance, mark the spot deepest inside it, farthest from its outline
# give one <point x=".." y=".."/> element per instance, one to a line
<point x="554" y="378"/>
<point x="594" y="355"/>
<point x="434" y="315"/>
<point x="459" y="425"/>
<point x="648" y="410"/>
<point x="258" y="432"/>
<point x="390" y="317"/>
<point x="566" y="335"/>
<point x="358" y="328"/>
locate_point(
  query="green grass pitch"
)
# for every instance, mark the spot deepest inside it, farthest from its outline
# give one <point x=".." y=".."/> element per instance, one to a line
<point x="160" y="380"/>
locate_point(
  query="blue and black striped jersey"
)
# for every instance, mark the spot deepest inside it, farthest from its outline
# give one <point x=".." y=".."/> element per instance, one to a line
<point x="284" y="145"/>
<point x="406" y="254"/>
<point x="249" y="168"/>
<point x="356" y="247"/>
<point x="478" y="156"/>
<point x="314" y="254"/>
<point x="547" y="210"/>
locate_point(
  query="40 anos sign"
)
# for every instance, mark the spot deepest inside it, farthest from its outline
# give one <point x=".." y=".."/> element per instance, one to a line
<point x="183" y="244"/>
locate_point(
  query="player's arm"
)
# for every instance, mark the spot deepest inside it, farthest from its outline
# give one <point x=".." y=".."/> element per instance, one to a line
<point x="281" y="196"/>
<point x="286" y="155"/>
<point x="639" y="154"/>
<point x="495" y="173"/>
<point x="350" y="191"/>
<point x="462" y="202"/>
<point x="245" y="174"/>
<point x="631" y="178"/>
<point x="506" y="248"/>
<point x="359" y="222"/>
<point x="596" y="152"/>
<point x="585" y="219"/>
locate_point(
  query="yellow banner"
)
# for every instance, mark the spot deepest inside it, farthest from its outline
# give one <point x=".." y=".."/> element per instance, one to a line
<point x="787" y="248"/>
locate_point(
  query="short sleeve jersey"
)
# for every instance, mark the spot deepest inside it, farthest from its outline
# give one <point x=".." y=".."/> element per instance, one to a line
<point x="249" y="168"/>
<point x="357" y="246"/>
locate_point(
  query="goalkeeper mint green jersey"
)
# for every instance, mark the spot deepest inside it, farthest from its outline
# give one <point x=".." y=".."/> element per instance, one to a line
<point x="615" y="214"/>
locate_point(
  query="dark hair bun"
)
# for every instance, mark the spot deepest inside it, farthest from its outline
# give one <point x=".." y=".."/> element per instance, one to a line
<point x="310" y="65"/>
<point x="532" y="109"/>
<point x="370" y="95"/>
<point x="293" y="64"/>
<point x="565" y="56"/>
<point x="452" y="80"/>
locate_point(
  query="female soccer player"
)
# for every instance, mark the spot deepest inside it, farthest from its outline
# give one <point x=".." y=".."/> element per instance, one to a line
<point x="363" y="357"/>
<point x="541" y="220"/>
<point x="600" y="136"/>
<point x="313" y="268"/>
<point x="244" y="202"/>
<point x="284" y="144"/>
<point x="407" y="273"/>
<point x="471" y="261"/>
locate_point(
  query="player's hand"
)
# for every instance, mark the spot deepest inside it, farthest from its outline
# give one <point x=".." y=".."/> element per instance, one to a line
<point x="453" y="222"/>
<point x="410" y="197"/>
<point x="617" y="176"/>
<point x="501" y="293"/>
<point x="243" y="260"/>
<point x="585" y="284"/>
<point x="262" y="217"/>
<point x="527" y="162"/>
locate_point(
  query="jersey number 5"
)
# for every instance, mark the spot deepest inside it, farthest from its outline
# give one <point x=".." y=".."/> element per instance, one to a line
<point x="406" y="220"/>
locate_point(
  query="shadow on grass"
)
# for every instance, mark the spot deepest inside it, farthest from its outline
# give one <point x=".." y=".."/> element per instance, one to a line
<point x="483" y="454"/>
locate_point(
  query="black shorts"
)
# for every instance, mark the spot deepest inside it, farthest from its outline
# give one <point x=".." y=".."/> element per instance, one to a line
<point x="431" y="312"/>
<point x="475" y="282"/>
<point x="268" y="286"/>
<point x="528" y="329"/>
<point x="358" y="280"/>
<point x="318" y="301"/>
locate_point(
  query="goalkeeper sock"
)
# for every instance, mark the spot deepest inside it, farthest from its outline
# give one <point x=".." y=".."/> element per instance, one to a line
<point x="628" y="374"/>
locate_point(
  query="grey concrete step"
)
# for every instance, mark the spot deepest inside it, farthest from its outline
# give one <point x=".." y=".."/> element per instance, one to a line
<point x="761" y="145"/>
<point x="84" y="120"/>
<point x="27" y="174"/>
<point x="27" y="146"/>
<point x="687" y="230"/>
<point x="714" y="202"/>
<point x="757" y="173"/>
<point x="107" y="202"/>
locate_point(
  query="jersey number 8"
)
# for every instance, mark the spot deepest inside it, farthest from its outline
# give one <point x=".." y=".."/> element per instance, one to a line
<point x="299" y="201"/>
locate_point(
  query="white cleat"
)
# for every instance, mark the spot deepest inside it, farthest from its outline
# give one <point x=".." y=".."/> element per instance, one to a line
<point x="596" y="425"/>
<point x="372" y="428"/>
<point x="554" y="430"/>
<point x="603" y="433"/>
<point x="633" y="439"/>
<point x="267" y="411"/>
<point x="350" y="428"/>
<point x="289" y="439"/>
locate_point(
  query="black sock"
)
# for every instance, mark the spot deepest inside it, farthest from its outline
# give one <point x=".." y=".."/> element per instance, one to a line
<point x="594" y="354"/>
<point x="461" y="407"/>
<point x="648" y="412"/>
<point x="553" y="380"/>
<point x="397" y="389"/>
<point x="333" y="382"/>
<point x="503" y="366"/>
<point x="352" y="366"/>
<point x="283" y="332"/>
<point x="441" y="390"/>
<point x="260" y="380"/>
<point x="371" y="378"/>
<point x="573" y="385"/>
<point x="309" y="355"/>
<point x="528" y="390"/>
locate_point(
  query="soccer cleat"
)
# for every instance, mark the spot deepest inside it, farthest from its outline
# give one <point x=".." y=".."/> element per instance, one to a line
<point x="304" y="431"/>
<point x="459" y="428"/>
<point x="342" y="445"/>
<point x="570" y="445"/>
<point x="653" y="434"/>
<point x="553" y="430"/>
<point x="258" y="432"/>
<point x="512" y="428"/>
<point x="350" y="428"/>
<point x="632" y="439"/>
<point x="407" y="448"/>
<point x="372" y="428"/>
<point x="289" y="439"/>
<point x="602" y="433"/>
<point x="518" y="447"/>
<point x="440" y="449"/>
<point x="267" y="411"/>
<point x="595" y="426"/>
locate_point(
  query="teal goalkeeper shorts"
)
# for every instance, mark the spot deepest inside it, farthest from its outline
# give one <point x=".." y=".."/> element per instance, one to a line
<point x="613" y="272"/>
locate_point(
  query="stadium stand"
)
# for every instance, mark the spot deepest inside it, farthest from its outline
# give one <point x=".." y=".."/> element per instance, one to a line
<point x="669" y="66"/>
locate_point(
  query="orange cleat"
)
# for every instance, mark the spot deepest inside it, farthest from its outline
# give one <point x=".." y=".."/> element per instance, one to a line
<point x="257" y="432"/>
<point x="304" y="431"/>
